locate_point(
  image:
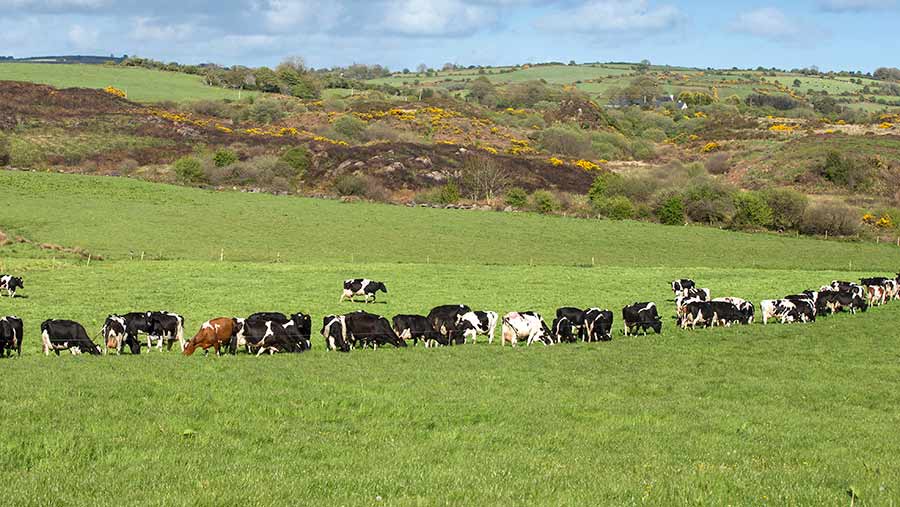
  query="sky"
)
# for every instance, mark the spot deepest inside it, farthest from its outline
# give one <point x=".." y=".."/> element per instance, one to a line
<point x="830" y="34"/>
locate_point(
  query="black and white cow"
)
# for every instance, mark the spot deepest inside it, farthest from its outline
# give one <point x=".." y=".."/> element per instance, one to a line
<point x="642" y="316"/>
<point x="298" y="327"/>
<point x="166" y="327"/>
<point x="474" y="323"/>
<point x="775" y="308"/>
<point x="679" y="286"/>
<point x="361" y="287"/>
<point x="115" y="336"/>
<point x="597" y="325"/>
<point x="697" y="312"/>
<point x="562" y="330"/>
<point x="260" y="336"/>
<point x="10" y="336"/>
<point x="417" y="327"/>
<point x="745" y="310"/>
<point x="575" y="317"/>
<point x="370" y="330"/>
<point x="528" y="326"/>
<point x="840" y="300"/>
<point x="10" y="283"/>
<point x="68" y="335"/>
<point x="334" y="330"/>
<point x="802" y="310"/>
<point x="444" y="318"/>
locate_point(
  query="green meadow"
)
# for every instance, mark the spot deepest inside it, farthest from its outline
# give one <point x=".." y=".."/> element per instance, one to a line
<point x="754" y="415"/>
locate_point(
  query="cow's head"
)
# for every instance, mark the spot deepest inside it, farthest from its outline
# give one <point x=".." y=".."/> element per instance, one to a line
<point x="380" y="286"/>
<point x="16" y="282"/>
<point x="656" y="326"/>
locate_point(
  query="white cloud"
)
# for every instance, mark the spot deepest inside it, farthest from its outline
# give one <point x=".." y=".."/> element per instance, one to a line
<point x="152" y="30"/>
<point x="773" y="24"/>
<point x="435" y="17"/>
<point x="856" y="5"/>
<point x="615" y="16"/>
<point x="82" y="38"/>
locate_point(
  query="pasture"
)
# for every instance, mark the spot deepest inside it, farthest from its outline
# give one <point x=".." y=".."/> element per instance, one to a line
<point x="141" y="85"/>
<point x="753" y="415"/>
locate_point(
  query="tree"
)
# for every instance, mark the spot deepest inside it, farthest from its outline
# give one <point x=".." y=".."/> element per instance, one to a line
<point x="421" y="68"/>
<point x="482" y="90"/>
<point x="887" y="74"/>
<point x="483" y="177"/>
<point x="797" y="83"/>
<point x="641" y="90"/>
<point x="644" y="66"/>
<point x="266" y="80"/>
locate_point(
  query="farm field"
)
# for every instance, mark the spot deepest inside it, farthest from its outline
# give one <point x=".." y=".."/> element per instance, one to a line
<point x="141" y="85"/>
<point x="756" y="415"/>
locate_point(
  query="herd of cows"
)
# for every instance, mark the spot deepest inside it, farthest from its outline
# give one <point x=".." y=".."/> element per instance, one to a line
<point x="273" y="332"/>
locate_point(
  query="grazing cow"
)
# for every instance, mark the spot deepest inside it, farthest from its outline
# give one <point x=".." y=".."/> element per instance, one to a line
<point x="876" y="295"/>
<point x="698" y="312"/>
<point x="115" y="336"/>
<point x="260" y="336"/>
<point x="10" y="283"/>
<point x="837" y="301"/>
<point x="800" y="310"/>
<point x="696" y="293"/>
<point x="367" y="329"/>
<point x="68" y="335"/>
<point x="415" y="328"/>
<point x="561" y="329"/>
<point x="10" y="336"/>
<point x="275" y="316"/>
<point x="726" y="313"/>
<point x="597" y="325"/>
<point x="361" y="287"/>
<point x="641" y="316"/>
<point x="472" y="324"/>
<point x="775" y="308"/>
<point x="334" y="330"/>
<point x="744" y="307"/>
<point x="299" y="331"/>
<point x="679" y="286"/>
<point x="527" y="326"/>
<point x="575" y="317"/>
<point x="166" y="327"/>
<point x="444" y="318"/>
<point x="216" y="333"/>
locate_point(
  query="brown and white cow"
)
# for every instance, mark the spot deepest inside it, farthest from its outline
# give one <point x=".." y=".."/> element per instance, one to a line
<point x="215" y="333"/>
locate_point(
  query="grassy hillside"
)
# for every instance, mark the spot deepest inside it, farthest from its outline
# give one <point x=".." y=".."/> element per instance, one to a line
<point x="745" y="415"/>
<point x="141" y="85"/>
<point x="115" y="216"/>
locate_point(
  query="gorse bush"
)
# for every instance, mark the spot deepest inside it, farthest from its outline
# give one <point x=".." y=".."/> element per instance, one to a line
<point x="670" y="210"/>
<point x="516" y="197"/>
<point x="709" y="202"/>
<point x="543" y="201"/>
<point x="224" y="158"/>
<point x="844" y="171"/>
<point x="350" y="127"/>
<point x="297" y="158"/>
<point x="189" y="170"/>
<point x="617" y="207"/>
<point x="350" y="185"/>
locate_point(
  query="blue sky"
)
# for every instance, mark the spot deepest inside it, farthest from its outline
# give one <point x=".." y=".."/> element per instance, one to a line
<point x="831" y="34"/>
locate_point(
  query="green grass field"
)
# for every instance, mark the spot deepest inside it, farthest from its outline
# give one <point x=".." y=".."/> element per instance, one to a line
<point x="141" y="85"/>
<point x="758" y="415"/>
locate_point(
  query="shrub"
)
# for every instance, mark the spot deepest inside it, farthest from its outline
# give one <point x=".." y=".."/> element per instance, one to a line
<point x="567" y="141"/>
<point x="483" y="177"/>
<point x="224" y="158"/>
<point x="516" y="197"/>
<point x="350" y="127"/>
<point x="617" y="207"/>
<point x="830" y="218"/>
<point x="4" y="150"/>
<point x="449" y="193"/>
<point x="657" y="135"/>
<point x="708" y="202"/>
<point x="297" y="158"/>
<point x="844" y="171"/>
<point x="610" y="145"/>
<point x="350" y="185"/>
<point x="265" y="112"/>
<point x="189" y="170"/>
<point x="382" y="132"/>
<point x="642" y="150"/>
<point x="751" y="211"/>
<point x="600" y="187"/>
<point x="214" y="108"/>
<point x="636" y="188"/>
<point x="788" y="207"/>
<point x="718" y="164"/>
<point x="543" y="201"/>
<point x="670" y="210"/>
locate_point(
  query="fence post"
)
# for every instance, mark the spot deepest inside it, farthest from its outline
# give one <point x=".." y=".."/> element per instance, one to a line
<point x="142" y="255"/>
<point x="89" y="258"/>
<point x="222" y="255"/>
